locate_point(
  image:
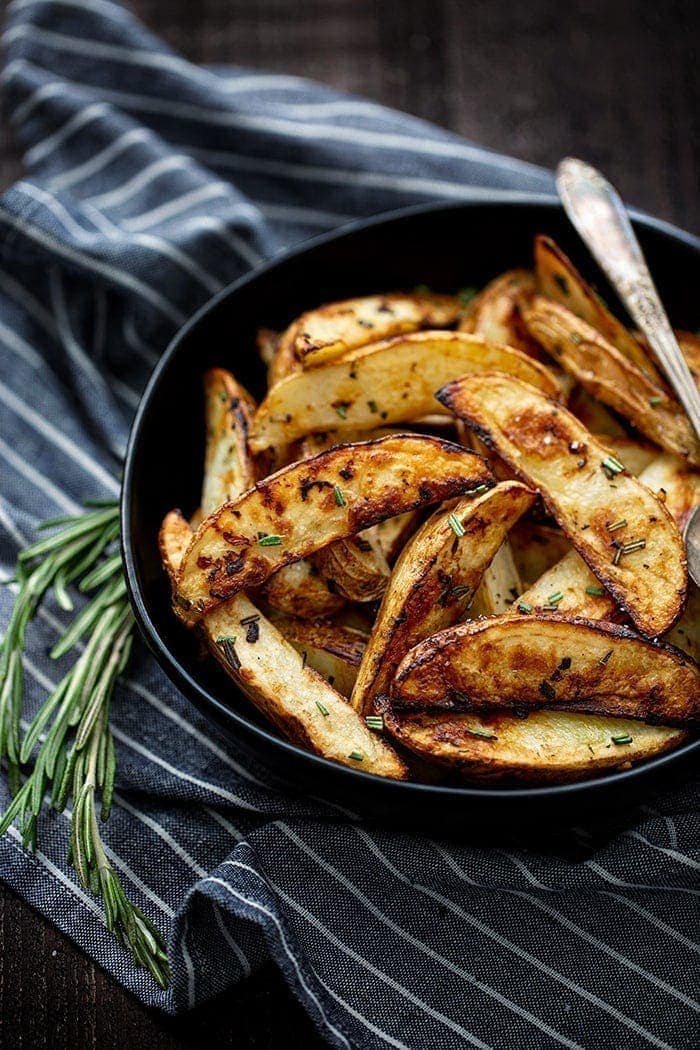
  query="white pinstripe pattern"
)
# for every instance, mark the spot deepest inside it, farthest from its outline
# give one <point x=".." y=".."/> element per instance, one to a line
<point x="97" y="173"/>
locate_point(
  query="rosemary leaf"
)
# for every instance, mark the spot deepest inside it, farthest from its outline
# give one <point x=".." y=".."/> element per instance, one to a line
<point x="68" y="747"/>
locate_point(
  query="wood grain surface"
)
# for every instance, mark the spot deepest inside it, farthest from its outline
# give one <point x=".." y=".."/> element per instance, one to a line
<point x="614" y="81"/>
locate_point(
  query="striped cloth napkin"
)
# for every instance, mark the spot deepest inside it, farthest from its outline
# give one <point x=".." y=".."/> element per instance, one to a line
<point x="151" y="184"/>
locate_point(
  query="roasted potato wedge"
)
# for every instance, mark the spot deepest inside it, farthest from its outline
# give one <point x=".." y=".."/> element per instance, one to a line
<point x="308" y="505"/>
<point x="356" y="567"/>
<point x="620" y="529"/>
<point x="500" y="586"/>
<point x="495" y="312"/>
<point x="558" y="279"/>
<point x="331" y="649"/>
<point x="388" y="382"/>
<point x="329" y="331"/>
<point x="548" y="747"/>
<point x="611" y="377"/>
<point x="517" y="665"/>
<point x="581" y="594"/>
<point x="228" y="465"/>
<point x="263" y="664"/>
<point x="394" y="533"/>
<point x="299" y="590"/>
<point x="594" y="415"/>
<point x="686" y="633"/>
<point x="435" y="579"/>
<point x="636" y="455"/>
<point x="536" y="548"/>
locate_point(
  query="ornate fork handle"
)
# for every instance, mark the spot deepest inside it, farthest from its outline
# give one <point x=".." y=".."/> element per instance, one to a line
<point x="601" y="219"/>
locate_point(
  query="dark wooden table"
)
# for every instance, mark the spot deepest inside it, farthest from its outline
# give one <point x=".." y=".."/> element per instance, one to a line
<point x="615" y="81"/>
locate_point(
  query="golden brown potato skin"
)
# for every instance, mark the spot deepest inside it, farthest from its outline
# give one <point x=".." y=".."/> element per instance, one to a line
<point x="299" y="507"/>
<point x="530" y="662"/>
<point x="256" y="656"/>
<point x="666" y="476"/>
<point x="385" y="383"/>
<point x="552" y="451"/>
<point x="228" y="464"/>
<point x="609" y="376"/>
<point x="434" y="581"/>
<point x="495" y="312"/>
<point x="329" y="331"/>
<point x="548" y="747"/>
<point x="559" y="280"/>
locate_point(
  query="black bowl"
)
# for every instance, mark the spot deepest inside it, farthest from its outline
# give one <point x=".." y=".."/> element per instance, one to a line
<point x="445" y="247"/>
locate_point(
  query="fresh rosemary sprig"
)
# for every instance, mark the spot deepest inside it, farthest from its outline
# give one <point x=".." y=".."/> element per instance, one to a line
<point x="68" y="748"/>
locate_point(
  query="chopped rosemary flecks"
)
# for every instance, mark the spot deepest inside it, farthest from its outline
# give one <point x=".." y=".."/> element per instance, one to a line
<point x="483" y="733"/>
<point x="304" y="657"/>
<point x="622" y="738"/>
<point x="575" y="338"/>
<point x="654" y="401"/>
<point x="617" y="555"/>
<point x="375" y="722"/>
<point x="594" y="589"/>
<point x="604" y="659"/>
<point x="612" y="466"/>
<point x="339" y="496"/>
<point x="68" y="747"/>
<point x="356" y="756"/>
<point x="478" y="491"/>
<point x="456" y="525"/>
<point x="342" y="410"/>
<point x="373" y="406"/>
<point x="227" y="644"/>
<point x="524" y="607"/>
<point x="547" y="690"/>
<point x="620" y="524"/>
<point x="555" y="598"/>
<point x="322" y="708"/>
<point x="270" y="541"/>
<point x="635" y="545"/>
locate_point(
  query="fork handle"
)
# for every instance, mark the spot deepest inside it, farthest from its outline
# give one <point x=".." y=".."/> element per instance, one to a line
<point x="600" y="217"/>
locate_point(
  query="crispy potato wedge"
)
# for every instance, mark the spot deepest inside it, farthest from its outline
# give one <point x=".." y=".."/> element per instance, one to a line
<point x="517" y="665"/>
<point x="263" y="664"/>
<point x="500" y="586"/>
<point x="299" y="590"/>
<point x="549" y="449"/>
<point x="388" y="382"/>
<point x="434" y="580"/>
<point x="690" y="348"/>
<point x="228" y="465"/>
<point x="331" y="649"/>
<point x="536" y="548"/>
<point x="582" y="595"/>
<point x="547" y="747"/>
<point x="329" y="331"/>
<point x="686" y="633"/>
<point x="611" y="377"/>
<point x="394" y="533"/>
<point x="636" y="455"/>
<point x="558" y="279"/>
<point x="594" y="415"/>
<point x="495" y="312"/>
<point x="356" y="566"/>
<point x="308" y="505"/>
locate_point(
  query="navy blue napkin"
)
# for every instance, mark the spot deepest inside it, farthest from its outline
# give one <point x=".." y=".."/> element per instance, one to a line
<point x="150" y="184"/>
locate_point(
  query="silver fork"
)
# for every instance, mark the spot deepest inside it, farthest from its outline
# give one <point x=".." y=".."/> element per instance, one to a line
<point x="597" y="212"/>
